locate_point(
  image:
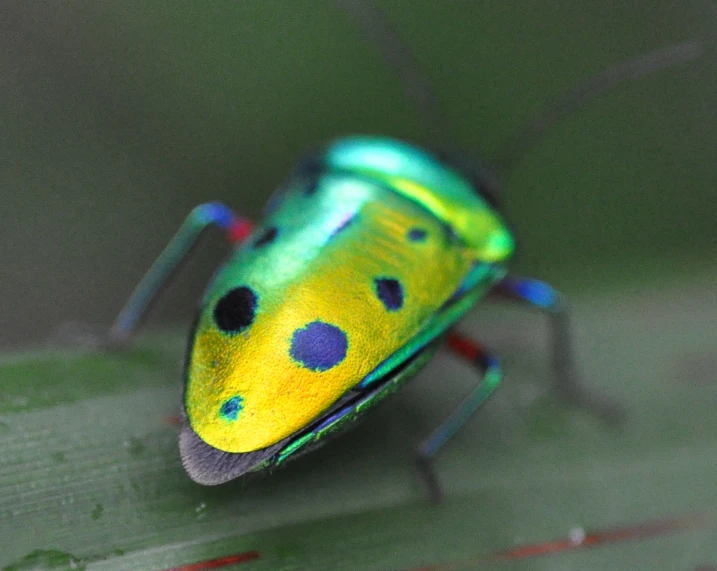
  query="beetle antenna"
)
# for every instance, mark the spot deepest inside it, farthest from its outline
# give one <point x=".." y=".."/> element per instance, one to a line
<point x="397" y="55"/>
<point x="550" y="113"/>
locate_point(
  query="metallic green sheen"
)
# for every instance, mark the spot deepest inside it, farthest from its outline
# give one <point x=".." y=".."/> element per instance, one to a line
<point x="390" y="158"/>
<point x="426" y="180"/>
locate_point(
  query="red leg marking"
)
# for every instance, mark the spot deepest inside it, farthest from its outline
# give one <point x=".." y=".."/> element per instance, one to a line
<point x="220" y="562"/>
<point x="464" y="346"/>
<point x="240" y="229"/>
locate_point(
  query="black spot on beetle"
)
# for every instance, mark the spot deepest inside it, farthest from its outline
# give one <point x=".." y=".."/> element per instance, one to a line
<point x="390" y="292"/>
<point x="451" y="235"/>
<point x="312" y="185"/>
<point x="310" y="170"/>
<point x="236" y="310"/>
<point x="267" y="237"/>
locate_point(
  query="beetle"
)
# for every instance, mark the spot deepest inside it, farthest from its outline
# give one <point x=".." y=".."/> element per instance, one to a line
<point x="366" y="258"/>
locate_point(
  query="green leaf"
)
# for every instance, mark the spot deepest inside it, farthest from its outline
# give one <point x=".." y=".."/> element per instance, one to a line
<point x="90" y="476"/>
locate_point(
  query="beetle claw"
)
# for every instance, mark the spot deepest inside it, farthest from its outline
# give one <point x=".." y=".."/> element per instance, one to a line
<point x="605" y="407"/>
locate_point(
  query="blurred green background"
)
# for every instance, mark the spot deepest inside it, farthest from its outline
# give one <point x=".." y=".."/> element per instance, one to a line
<point x="117" y="117"/>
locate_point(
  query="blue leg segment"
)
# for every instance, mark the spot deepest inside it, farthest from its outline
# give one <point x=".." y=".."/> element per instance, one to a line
<point x="490" y="378"/>
<point x="201" y="217"/>
<point x="567" y="381"/>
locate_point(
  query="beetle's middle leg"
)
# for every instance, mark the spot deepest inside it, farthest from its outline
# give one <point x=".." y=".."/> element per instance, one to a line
<point x="490" y="369"/>
<point x="568" y="384"/>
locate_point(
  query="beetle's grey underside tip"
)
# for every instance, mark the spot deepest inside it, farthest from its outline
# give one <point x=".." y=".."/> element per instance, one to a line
<point x="209" y="466"/>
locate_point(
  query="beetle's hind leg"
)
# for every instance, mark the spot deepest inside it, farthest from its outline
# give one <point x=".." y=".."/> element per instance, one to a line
<point x="164" y="267"/>
<point x="491" y="376"/>
<point x="568" y="384"/>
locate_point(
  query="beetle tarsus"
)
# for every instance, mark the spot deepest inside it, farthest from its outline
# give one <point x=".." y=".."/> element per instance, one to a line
<point x="592" y="401"/>
<point x="568" y="385"/>
<point x="424" y="464"/>
<point x="570" y="388"/>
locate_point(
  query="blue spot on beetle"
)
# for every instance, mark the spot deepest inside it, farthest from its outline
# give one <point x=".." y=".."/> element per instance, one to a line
<point x="319" y="346"/>
<point x="390" y="292"/>
<point x="231" y="408"/>
<point x="417" y="235"/>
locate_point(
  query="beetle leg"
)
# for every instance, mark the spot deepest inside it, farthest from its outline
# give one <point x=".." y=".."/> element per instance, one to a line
<point x="491" y="375"/>
<point x="567" y="382"/>
<point x="201" y="217"/>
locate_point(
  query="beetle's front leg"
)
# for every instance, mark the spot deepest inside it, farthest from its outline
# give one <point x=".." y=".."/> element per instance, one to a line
<point x="491" y="376"/>
<point x="567" y="381"/>
<point x="159" y="274"/>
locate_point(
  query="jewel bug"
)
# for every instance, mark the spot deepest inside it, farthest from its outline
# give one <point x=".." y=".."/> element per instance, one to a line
<point x="366" y="258"/>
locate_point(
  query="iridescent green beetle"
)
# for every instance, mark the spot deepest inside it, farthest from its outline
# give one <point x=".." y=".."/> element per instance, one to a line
<point x="367" y="257"/>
